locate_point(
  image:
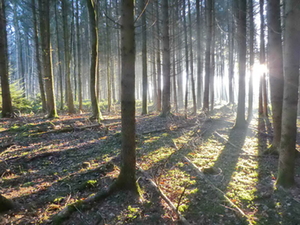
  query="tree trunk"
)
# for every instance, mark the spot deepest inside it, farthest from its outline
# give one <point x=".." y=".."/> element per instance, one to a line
<point x="166" y="59"/>
<point x="209" y="8"/>
<point x="158" y="59"/>
<point x="192" y="61"/>
<point x="7" y="110"/>
<point x="126" y="179"/>
<point x="242" y="47"/>
<point x="144" y="60"/>
<point x="251" y="56"/>
<point x="291" y="54"/>
<point x="96" y="114"/>
<point x="37" y="56"/>
<point x="212" y="70"/>
<point x="174" y="61"/>
<point x="275" y="68"/>
<point x="186" y="59"/>
<point x="46" y="57"/>
<point x="78" y="57"/>
<point x="70" y="102"/>
<point x="108" y="60"/>
<point x="199" y="57"/>
<point x="19" y="52"/>
<point x="231" y="29"/>
<point x="60" y="59"/>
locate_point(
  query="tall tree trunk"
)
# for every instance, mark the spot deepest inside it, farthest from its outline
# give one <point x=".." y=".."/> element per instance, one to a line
<point x="186" y="58"/>
<point x="275" y="68"/>
<point x="178" y="43"/>
<point x="154" y="77"/>
<point x="192" y="61"/>
<point x="242" y="47"/>
<point x="19" y="49"/>
<point x="37" y="56"/>
<point x="263" y="104"/>
<point x="209" y="8"/>
<point x="96" y="114"/>
<point x="79" y="57"/>
<point x="108" y="60"/>
<point x="166" y="59"/>
<point x="291" y="55"/>
<point x="46" y="57"/>
<point x="126" y="179"/>
<point x="174" y="74"/>
<point x="144" y="59"/>
<point x="70" y="102"/>
<point x="7" y="110"/>
<point x="231" y="29"/>
<point x="251" y="56"/>
<point x="158" y="58"/>
<point x="212" y="70"/>
<point x="60" y="59"/>
<point x="199" y="56"/>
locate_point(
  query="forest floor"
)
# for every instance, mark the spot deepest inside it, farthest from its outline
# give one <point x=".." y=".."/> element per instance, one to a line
<point x="211" y="173"/>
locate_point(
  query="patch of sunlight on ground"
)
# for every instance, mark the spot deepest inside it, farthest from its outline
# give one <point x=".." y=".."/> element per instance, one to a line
<point x="160" y="154"/>
<point x="242" y="186"/>
<point x="207" y="153"/>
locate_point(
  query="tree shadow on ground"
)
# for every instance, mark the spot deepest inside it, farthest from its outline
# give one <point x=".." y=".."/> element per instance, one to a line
<point x="208" y="205"/>
<point x="274" y="205"/>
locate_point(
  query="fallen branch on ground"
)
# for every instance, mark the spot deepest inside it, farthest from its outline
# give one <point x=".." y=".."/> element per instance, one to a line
<point x="165" y="198"/>
<point x="70" y="129"/>
<point x="80" y="204"/>
<point x="233" y="145"/>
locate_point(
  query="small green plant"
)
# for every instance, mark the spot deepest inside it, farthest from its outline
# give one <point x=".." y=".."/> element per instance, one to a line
<point x="58" y="199"/>
<point x="91" y="183"/>
<point x="132" y="213"/>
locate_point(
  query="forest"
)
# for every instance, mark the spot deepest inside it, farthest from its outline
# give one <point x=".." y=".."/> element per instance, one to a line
<point x="149" y="112"/>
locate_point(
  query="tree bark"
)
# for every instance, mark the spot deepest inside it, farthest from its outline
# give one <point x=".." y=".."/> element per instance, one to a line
<point x="209" y="8"/>
<point x="199" y="57"/>
<point x="46" y="57"/>
<point x="7" y="110"/>
<point x="242" y="47"/>
<point x="158" y="58"/>
<point x="192" y="61"/>
<point x="79" y="57"/>
<point x="251" y="56"/>
<point x="126" y="179"/>
<point x="231" y="56"/>
<point x="186" y="58"/>
<point x="96" y="114"/>
<point x="37" y="56"/>
<point x="275" y="68"/>
<point x="291" y="54"/>
<point x="166" y="59"/>
<point x="70" y="102"/>
<point x="144" y="59"/>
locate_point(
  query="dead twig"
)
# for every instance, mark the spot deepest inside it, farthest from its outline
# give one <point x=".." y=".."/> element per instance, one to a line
<point x="165" y="198"/>
<point x="182" y="194"/>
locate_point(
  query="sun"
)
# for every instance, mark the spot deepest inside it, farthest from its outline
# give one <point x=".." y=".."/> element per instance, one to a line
<point x="259" y="69"/>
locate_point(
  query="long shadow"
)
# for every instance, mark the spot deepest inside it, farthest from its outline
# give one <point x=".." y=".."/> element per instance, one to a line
<point x="274" y="206"/>
<point x="205" y="205"/>
<point x="229" y="156"/>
